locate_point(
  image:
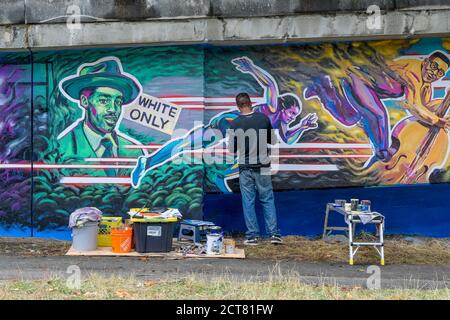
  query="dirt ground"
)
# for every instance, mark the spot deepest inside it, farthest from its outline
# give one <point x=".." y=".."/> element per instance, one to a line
<point x="33" y="247"/>
<point x="398" y="250"/>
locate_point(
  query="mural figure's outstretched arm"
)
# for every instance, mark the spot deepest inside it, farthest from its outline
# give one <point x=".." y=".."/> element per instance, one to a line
<point x="193" y="140"/>
<point x="291" y="135"/>
<point x="169" y="151"/>
<point x="245" y="65"/>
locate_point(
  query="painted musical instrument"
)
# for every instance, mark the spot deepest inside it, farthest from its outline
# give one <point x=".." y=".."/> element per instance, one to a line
<point x="423" y="148"/>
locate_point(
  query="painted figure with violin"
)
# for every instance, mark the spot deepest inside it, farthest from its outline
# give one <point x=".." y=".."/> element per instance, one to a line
<point x="421" y="139"/>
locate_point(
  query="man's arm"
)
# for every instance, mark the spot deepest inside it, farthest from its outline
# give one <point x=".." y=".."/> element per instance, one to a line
<point x="271" y="136"/>
<point x="245" y="65"/>
<point x="416" y="105"/>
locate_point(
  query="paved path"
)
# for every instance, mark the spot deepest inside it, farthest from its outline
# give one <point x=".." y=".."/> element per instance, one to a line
<point x="404" y="276"/>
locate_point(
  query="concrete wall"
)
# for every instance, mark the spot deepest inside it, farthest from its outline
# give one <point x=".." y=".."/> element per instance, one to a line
<point x="51" y="11"/>
<point x="41" y="24"/>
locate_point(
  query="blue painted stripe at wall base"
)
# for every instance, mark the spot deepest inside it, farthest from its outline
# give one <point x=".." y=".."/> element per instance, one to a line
<point x="15" y="232"/>
<point x="420" y="209"/>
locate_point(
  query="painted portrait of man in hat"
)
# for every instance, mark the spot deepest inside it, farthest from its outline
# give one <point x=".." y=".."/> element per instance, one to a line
<point x="101" y="89"/>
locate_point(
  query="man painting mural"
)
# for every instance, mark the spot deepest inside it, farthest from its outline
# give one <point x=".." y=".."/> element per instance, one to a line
<point x="249" y="136"/>
<point x="280" y="109"/>
<point x="101" y="89"/>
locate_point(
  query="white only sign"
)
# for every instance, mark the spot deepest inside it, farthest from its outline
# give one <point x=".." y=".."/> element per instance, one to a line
<point x="153" y="113"/>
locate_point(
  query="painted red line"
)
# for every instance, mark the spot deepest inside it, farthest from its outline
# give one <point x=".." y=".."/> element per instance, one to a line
<point x="203" y="97"/>
<point x="228" y="97"/>
<point x="45" y="166"/>
<point x="220" y="104"/>
<point x="178" y="96"/>
<point x="87" y="180"/>
<point x="187" y="103"/>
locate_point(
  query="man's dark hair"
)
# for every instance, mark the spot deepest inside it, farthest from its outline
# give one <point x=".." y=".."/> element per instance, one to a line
<point x="440" y="55"/>
<point x="243" y="99"/>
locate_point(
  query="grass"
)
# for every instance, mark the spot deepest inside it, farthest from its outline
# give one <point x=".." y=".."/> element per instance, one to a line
<point x="195" y="287"/>
<point x="397" y="251"/>
<point x="431" y="251"/>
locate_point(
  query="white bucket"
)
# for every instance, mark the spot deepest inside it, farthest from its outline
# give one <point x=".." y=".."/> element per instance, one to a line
<point x="214" y="243"/>
<point x="85" y="237"/>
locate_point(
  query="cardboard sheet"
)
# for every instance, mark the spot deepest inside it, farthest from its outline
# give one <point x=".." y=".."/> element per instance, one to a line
<point x="107" y="252"/>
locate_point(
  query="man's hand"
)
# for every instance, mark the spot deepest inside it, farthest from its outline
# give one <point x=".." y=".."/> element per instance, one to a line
<point x="309" y="122"/>
<point x="243" y="64"/>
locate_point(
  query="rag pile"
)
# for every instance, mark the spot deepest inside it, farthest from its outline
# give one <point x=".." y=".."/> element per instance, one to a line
<point x="81" y="216"/>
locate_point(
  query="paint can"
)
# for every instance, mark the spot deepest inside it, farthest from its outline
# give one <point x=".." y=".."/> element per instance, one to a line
<point x="354" y="203"/>
<point x="339" y="202"/>
<point x="214" y="244"/>
<point x="215" y="230"/>
<point x="366" y="205"/>
<point x="348" y="207"/>
<point x="229" y="245"/>
<point x="214" y="240"/>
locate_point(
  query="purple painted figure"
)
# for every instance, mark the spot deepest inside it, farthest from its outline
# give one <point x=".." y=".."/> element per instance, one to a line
<point x="358" y="100"/>
<point x="281" y="109"/>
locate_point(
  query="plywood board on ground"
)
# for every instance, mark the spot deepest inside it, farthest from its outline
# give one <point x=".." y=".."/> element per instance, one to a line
<point x="107" y="252"/>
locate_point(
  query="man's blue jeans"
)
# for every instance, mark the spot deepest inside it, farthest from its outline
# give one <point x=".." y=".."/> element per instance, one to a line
<point x="250" y="182"/>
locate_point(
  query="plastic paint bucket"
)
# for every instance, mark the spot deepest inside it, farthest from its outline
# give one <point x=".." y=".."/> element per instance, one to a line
<point x="121" y="239"/>
<point x="85" y="238"/>
<point x="214" y="243"/>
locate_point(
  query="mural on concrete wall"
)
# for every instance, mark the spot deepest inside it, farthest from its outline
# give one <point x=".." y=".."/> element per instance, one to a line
<point x="15" y="142"/>
<point x="380" y="108"/>
<point x="105" y="109"/>
<point x="140" y="127"/>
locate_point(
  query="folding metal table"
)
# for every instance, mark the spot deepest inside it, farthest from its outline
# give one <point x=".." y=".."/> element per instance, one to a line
<point x="351" y="219"/>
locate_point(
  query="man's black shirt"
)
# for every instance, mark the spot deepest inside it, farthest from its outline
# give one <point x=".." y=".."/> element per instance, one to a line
<point x="249" y="136"/>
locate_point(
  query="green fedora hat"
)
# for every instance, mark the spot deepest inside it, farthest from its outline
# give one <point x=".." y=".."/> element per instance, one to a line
<point x="103" y="74"/>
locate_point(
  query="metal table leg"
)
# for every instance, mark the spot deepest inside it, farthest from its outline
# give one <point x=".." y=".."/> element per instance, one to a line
<point x="325" y="224"/>
<point x="382" y="242"/>
<point x="350" y="241"/>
